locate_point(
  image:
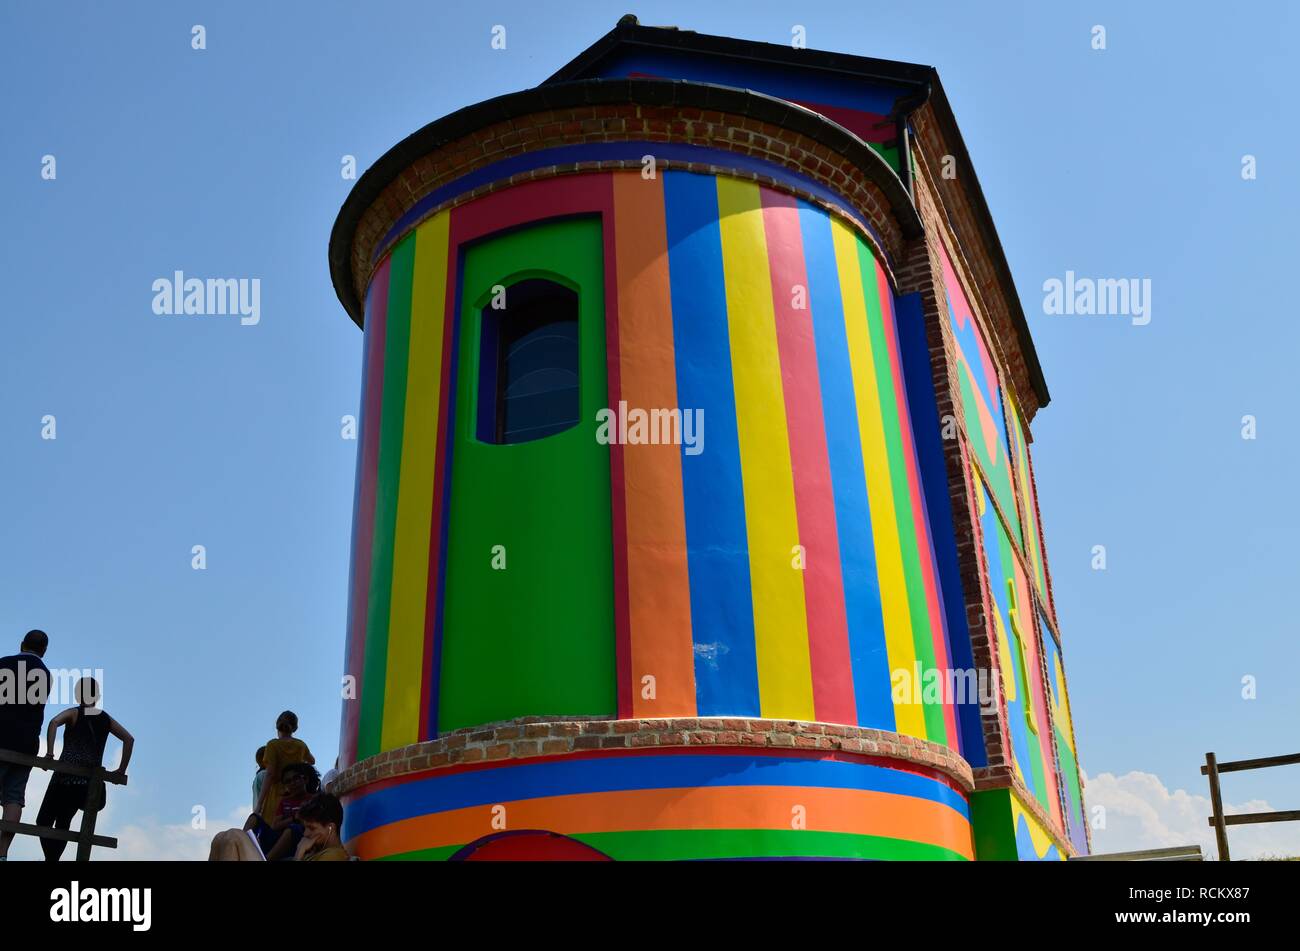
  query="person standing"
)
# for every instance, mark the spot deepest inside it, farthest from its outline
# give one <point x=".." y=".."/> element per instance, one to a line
<point x="280" y="752"/>
<point x="87" y="728"/>
<point x="22" y="711"/>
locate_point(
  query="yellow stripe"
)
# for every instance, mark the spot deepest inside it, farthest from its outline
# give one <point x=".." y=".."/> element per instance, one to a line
<point x="899" y="645"/>
<point x="771" y="522"/>
<point x="415" y="493"/>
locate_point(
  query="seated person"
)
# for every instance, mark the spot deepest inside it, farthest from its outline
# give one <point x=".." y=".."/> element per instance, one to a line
<point x="322" y="822"/>
<point x="321" y="818"/>
<point x="278" y="835"/>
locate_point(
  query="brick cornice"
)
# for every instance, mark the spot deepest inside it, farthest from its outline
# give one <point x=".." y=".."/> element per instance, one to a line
<point x="989" y="287"/>
<point x="530" y="737"/>
<point x="597" y="111"/>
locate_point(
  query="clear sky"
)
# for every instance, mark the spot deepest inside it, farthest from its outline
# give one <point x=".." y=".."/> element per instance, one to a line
<point x="225" y="162"/>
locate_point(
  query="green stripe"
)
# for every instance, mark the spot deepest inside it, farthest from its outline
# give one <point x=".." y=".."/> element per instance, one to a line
<point x="1025" y="681"/>
<point x="999" y="479"/>
<point x="1069" y="768"/>
<point x="936" y="727"/>
<point x="393" y="411"/>
<point x="685" y="844"/>
<point x="538" y="636"/>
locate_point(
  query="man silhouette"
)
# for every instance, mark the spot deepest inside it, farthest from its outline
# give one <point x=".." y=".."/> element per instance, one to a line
<point x="24" y="688"/>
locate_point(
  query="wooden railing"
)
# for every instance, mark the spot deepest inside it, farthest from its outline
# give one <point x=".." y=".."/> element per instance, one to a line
<point x="85" y="836"/>
<point x="1177" y="853"/>
<point x="1219" y="821"/>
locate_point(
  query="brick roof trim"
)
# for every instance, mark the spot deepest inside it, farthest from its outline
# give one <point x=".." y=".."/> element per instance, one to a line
<point x="645" y="92"/>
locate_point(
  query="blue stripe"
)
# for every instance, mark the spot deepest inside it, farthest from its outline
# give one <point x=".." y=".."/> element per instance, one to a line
<point x="565" y="777"/>
<point x="717" y="547"/>
<point x="613" y="151"/>
<point x="871" y="683"/>
<point x="927" y="431"/>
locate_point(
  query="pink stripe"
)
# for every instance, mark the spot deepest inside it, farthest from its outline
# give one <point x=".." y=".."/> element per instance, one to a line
<point x="828" y="629"/>
<point x="924" y="542"/>
<point x="364" y="518"/>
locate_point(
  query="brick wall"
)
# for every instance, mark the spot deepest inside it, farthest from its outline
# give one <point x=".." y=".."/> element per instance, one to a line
<point x="529" y="737"/>
<point x="618" y="123"/>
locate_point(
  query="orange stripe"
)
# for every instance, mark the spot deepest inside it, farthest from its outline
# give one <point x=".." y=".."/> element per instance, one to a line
<point x="658" y="584"/>
<point x="853" y="811"/>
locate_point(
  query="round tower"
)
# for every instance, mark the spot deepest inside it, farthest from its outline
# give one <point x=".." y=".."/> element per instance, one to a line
<point x="657" y="546"/>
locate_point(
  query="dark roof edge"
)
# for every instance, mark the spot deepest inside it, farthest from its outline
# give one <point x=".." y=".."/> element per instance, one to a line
<point x="988" y="231"/>
<point x="629" y="32"/>
<point x="650" y="92"/>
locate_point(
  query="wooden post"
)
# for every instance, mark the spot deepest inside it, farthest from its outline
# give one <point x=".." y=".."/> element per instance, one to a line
<point x="95" y="794"/>
<point x="1216" y="800"/>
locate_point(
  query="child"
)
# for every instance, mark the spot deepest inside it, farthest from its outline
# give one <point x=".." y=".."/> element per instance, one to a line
<point x="280" y="752"/>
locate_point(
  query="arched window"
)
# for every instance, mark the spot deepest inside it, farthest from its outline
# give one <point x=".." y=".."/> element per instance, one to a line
<point x="528" y="364"/>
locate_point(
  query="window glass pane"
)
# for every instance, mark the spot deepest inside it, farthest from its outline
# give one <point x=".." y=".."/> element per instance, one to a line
<point x="528" y="385"/>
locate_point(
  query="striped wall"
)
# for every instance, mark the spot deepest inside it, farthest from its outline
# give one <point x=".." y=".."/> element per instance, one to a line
<point x="788" y="570"/>
<point x="984" y="418"/>
<point x="1028" y="496"/>
<point x="672" y="806"/>
<point x="1066" y="754"/>
<point x="1028" y="722"/>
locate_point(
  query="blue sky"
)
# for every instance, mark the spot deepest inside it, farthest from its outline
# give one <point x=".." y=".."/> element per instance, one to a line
<point x="225" y="162"/>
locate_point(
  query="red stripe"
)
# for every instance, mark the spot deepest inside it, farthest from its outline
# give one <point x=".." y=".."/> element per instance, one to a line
<point x="364" y="519"/>
<point x="828" y="630"/>
<point x="617" y="483"/>
<point x="925" y="546"/>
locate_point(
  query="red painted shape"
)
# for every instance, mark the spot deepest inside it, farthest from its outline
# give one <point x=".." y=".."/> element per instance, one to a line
<point x="529" y="846"/>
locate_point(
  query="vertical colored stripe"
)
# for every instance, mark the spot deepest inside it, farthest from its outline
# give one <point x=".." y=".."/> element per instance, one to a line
<point x="722" y="620"/>
<point x="927" y="435"/>
<point x="386" y="495"/>
<point x="879" y="316"/>
<point x="406" y="624"/>
<point x="618" y="500"/>
<point x="933" y="632"/>
<point x="658" y="581"/>
<point x="828" y="639"/>
<point x="909" y="717"/>
<point x="363" y="515"/>
<point x="780" y="620"/>
<point x="869" y="661"/>
<point x="438" y="519"/>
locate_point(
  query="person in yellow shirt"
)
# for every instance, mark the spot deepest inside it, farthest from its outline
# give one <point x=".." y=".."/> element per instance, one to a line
<point x="280" y="752"/>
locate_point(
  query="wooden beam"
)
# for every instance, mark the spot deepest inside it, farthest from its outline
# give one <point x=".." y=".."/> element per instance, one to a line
<point x="58" y="766"/>
<point x="1248" y="818"/>
<point x="1178" y="853"/>
<point x="64" y="835"/>
<point x="1262" y="763"/>
<point x="1216" y="800"/>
